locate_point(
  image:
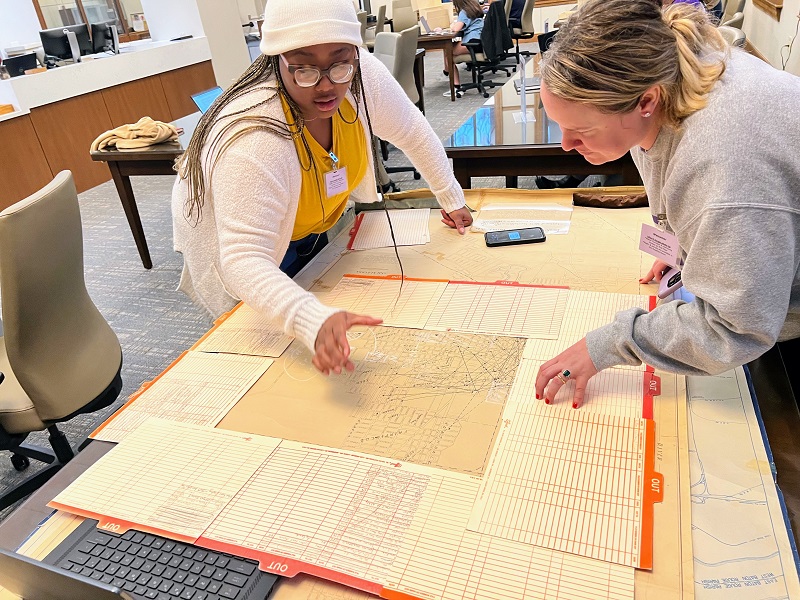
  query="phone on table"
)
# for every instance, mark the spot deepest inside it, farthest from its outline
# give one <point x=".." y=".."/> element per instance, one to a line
<point x="530" y="235"/>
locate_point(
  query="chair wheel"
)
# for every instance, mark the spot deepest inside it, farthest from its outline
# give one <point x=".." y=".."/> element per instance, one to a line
<point x="19" y="462"/>
<point x="417" y="175"/>
<point x="485" y="94"/>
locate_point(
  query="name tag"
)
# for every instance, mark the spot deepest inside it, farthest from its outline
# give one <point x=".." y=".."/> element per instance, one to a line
<point x="661" y="244"/>
<point x="336" y="182"/>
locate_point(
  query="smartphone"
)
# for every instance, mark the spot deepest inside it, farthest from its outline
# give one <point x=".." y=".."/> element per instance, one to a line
<point x="670" y="282"/>
<point x="531" y="235"/>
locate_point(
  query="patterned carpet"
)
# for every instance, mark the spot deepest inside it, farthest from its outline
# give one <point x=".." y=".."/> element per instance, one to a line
<point x="153" y="321"/>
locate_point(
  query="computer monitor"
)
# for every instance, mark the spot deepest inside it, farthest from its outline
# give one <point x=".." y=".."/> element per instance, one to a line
<point x="17" y="65"/>
<point x="105" y="37"/>
<point x="56" y="41"/>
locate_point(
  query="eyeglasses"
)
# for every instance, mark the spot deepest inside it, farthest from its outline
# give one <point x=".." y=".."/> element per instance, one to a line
<point x="340" y="72"/>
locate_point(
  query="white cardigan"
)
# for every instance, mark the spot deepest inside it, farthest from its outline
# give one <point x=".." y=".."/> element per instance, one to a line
<point x="251" y="201"/>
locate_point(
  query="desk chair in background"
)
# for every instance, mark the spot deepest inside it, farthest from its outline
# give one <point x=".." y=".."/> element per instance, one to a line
<point x="734" y="37"/>
<point x="403" y="16"/>
<point x="489" y="53"/>
<point x="525" y="30"/>
<point x="362" y="19"/>
<point x="373" y="30"/>
<point x="733" y="13"/>
<point x="397" y="51"/>
<point x="59" y="355"/>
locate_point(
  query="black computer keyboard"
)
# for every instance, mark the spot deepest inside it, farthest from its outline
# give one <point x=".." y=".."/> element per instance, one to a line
<point x="154" y="567"/>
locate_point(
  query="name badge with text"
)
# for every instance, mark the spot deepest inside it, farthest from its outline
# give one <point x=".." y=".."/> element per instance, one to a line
<point x="661" y="244"/>
<point x="336" y="182"/>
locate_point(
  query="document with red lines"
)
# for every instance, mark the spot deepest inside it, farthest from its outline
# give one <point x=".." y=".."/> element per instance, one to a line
<point x="411" y="227"/>
<point x="198" y="388"/>
<point x="166" y="477"/>
<point x="572" y="480"/>
<point x="244" y="331"/>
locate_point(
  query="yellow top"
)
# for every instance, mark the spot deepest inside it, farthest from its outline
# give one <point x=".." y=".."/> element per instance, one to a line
<point x="316" y="212"/>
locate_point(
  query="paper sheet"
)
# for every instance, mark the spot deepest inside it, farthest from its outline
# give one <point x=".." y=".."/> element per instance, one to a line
<point x="368" y="521"/>
<point x="245" y="331"/>
<point x="487" y="308"/>
<point x="439" y="558"/>
<point x="344" y="512"/>
<point x="553" y="218"/>
<point x="410" y="228"/>
<point x="741" y="544"/>
<point x="569" y="480"/>
<point x="383" y="298"/>
<point x="167" y="477"/>
<point x="198" y="388"/>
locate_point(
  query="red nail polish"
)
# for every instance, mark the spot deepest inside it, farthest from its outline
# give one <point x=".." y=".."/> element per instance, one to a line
<point x="574" y="405"/>
<point x="537" y="396"/>
<point x="547" y="400"/>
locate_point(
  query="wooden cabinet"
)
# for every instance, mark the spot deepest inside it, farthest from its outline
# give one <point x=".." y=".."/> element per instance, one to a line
<point x="23" y="166"/>
<point x="180" y="84"/>
<point x="57" y="136"/>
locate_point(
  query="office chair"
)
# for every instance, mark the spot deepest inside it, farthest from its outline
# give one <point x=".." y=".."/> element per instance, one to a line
<point x="734" y="37"/>
<point x="525" y="30"/>
<point x="59" y="355"/>
<point x="731" y="12"/>
<point x="362" y="19"/>
<point x="380" y="21"/>
<point x="489" y="52"/>
<point x="397" y="51"/>
<point x="737" y="20"/>
<point x="403" y="17"/>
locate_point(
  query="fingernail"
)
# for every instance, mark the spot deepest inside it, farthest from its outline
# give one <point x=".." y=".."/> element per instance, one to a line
<point x="574" y="405"/>
<point x="537" y="396"/>
<point x="547" y="400"/>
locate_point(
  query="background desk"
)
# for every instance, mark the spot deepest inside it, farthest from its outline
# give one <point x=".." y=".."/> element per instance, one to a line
<point x="494" y="141"/>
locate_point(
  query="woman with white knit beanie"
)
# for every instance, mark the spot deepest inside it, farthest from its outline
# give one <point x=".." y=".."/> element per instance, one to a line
<point x="274" y="160"/>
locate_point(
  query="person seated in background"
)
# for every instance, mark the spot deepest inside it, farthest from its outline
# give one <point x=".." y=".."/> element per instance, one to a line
<point x="274" y="160"/>
<point x="468" y="24"/>
<point x="719" y="154"/>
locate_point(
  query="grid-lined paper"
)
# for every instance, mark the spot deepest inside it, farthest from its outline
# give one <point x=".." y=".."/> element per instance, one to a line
<point x="566" y="479"/>
<point x="246" y="332"/>
<point x="383" y="298"/>
<point x="411" y="228"/>
<point x="486" y="308"/>
<point x="439" y="558"/>
<point x="615" y="392"/>
<point x="525" y="311"/>
<point x="347" y="512"/>
<point x="168" y="476"/>
<point x="200" y="388"/>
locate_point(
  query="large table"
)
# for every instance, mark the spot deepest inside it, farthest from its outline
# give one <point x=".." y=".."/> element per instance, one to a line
<point x="443" y="42"/>
<point x="598" y="254"/>
<point x="496" y="141"/>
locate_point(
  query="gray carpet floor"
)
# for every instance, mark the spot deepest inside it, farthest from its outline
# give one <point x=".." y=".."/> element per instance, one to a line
<point x="153" y="321"/>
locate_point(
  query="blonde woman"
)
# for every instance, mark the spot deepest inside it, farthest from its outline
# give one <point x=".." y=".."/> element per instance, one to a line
<point x="274" y="160"/>
<point x="715" y="134"/>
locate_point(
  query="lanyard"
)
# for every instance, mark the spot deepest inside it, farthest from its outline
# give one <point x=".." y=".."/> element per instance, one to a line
<point x="334" y="160"/>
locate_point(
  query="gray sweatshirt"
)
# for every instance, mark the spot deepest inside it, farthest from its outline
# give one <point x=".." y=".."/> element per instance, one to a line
<point x="729" y="184"/>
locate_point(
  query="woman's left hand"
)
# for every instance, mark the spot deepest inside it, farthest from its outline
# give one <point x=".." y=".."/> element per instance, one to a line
<point x="574" y="359"/>
<point x="458" y="219"/>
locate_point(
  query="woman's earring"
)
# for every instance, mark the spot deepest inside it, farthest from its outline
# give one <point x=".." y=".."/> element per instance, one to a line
<point x="647" y="114"/>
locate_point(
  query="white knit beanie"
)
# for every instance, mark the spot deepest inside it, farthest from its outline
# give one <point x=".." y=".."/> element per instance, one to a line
<point x="292" y="24"/>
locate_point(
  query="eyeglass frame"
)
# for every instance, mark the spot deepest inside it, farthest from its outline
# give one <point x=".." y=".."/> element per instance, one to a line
<point x="322" y="72"/>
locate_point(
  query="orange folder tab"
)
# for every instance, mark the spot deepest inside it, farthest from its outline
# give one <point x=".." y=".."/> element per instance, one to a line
<point x="653" y="491"/>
